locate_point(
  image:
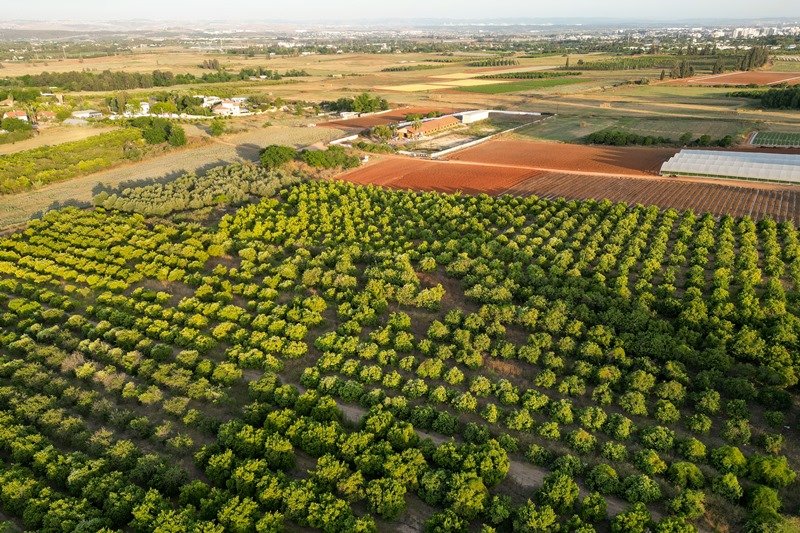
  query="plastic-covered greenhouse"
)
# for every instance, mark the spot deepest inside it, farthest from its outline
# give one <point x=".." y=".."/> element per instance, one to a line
<point x="745" y="165"/>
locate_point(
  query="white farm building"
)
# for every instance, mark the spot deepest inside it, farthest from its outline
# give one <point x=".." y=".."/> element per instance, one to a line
<point x="743" y="165"/>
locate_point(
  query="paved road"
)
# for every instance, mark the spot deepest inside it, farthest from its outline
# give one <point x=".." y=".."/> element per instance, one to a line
<point x="18" y="208"/>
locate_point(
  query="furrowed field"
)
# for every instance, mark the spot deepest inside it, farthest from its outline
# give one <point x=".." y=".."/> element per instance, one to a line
<point x="351" y="358"/>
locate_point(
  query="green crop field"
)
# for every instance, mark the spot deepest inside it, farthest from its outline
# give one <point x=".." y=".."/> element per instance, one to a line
<point x="573" y="128"/>
<point x="776" y="138"/>
<point x="32" y="168"/>
<point x="523" y="85"/>
<point x="252" y="351"/>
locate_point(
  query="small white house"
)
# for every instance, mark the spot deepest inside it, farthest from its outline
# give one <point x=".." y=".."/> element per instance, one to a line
<point x="227" y="108"/>
<point x="470" y="117"/>
<point x="86" y="114"/>
<point x="211" y="101"/>
<point x="144" y="108"/>
<point x="19" y="115"/>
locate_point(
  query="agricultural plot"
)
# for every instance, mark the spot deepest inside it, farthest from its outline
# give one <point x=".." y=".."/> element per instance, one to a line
<point x="394" y="116"/>
<point x="425" y="175"/>
<point x="353" y="358"/>
<point x="742" y="78"/>
<point x="495" y="87"/>
<point x="568" y="157"/>
<point x="572" y="128"/>
<point x="702" y="196"/>
<point x="776" y="139"/>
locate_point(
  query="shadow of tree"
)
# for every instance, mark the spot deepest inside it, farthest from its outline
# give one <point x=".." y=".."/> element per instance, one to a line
<point x="249" y="151"/>
<point x="143" y="182"/>
<point x="60" y="205"/>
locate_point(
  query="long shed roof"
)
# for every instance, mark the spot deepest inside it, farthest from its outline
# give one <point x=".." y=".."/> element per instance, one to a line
<point x="746" y="165"/>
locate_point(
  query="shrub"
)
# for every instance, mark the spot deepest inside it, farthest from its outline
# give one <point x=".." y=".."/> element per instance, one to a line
<point x="689" y="504"/>
<point x="275" y="156"/>
<point x="531" y="518"/>
<point x="699" y="423"/>
<point x="692" y="449"/>
<point x="614" y="451"/>
<point x="764" y="502"/>
<point x="593" y="418"/>
<point x="685" y="474"/>
<point x="727" y="486"/>
<point x="772" y="471"/>
<point x="729" y="459"/>
<point x="666" y="412"/>
<point x="635" y="520"/>
<point x="737" y="431"/>
<point x="217" y="127"/>
<point x="333" y="157"/>
<point x="559" y="491"/>
<point x="650" y="463"/>
<point x="582" y="441"/>
<point x="603" y="479"/>
<point x="594" y="508"/>
<point x="619" y="427"/>
<point x="569" y="464"/>
<point x="633" y="403"/>
<point x="177" y="136"/>
<point x="640" y="488"/>
<point x="674" y="524"/>
<point x="444" y="522"/>
<point x="658" y="437"/>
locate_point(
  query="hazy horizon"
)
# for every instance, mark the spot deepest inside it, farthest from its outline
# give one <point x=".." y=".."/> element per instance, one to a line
<point x="318" y="10"/>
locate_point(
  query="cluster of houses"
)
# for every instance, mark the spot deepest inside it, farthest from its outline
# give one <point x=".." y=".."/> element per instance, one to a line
<point x="41" y="116"/>
<point x="225" y="107"/>
<point x="220" y="107"/>
<point x="428" y="127"/>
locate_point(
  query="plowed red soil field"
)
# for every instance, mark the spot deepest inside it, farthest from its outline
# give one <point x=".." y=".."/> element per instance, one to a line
<point x="720" y="197"/>
<point x="390" y="117"/>
<point x="424" y="175"/>
<point x="568" y="157"/>
<point x="742" y="78"/>
<point x="704" y="196"/>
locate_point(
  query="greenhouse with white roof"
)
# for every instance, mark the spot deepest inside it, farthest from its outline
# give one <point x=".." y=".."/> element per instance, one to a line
<point x="742" y="165"/>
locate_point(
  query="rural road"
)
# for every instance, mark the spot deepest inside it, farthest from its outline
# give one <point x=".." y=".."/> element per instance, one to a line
<point x="16" y="209"/>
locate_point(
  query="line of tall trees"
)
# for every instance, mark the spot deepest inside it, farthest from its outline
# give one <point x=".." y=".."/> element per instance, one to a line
<point x="117" y="81"/>
<point x="756" y="57"/>
<point x="783" y="98"/>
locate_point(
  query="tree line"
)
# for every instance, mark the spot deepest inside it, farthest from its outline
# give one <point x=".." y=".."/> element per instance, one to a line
<point x="625" y="138"/>
<point x="116" y="81"/>
<point x="363" y="103"/>
<point x="275" y="157"/>
<point x="775" y="98"/>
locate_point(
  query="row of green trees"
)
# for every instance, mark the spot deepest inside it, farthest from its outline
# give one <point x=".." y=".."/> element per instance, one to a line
<point x="625" y="138"/>
<point x="363" y="103"/>
<point x="118" y="81"/>
<point x="275" y="157"/>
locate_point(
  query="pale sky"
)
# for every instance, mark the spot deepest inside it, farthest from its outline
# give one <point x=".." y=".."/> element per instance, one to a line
<point x="316" y="10"/>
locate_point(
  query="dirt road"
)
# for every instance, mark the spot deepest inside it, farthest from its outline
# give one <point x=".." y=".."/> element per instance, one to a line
<point x="18" y="208"/>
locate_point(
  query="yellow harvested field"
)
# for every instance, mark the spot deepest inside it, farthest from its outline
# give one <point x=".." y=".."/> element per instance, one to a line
<point x="469" y="83"/>
<point x="458" y="76"/>
<point x="412" y="87"/>
<point x="483" y="72"/>
<point x="438" y="85"/>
